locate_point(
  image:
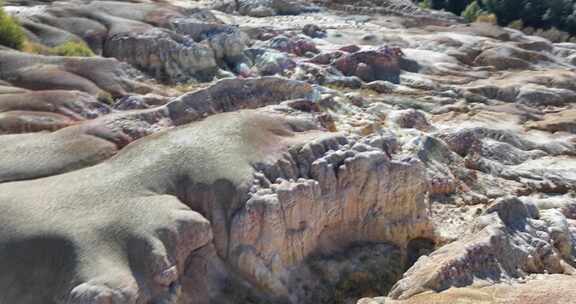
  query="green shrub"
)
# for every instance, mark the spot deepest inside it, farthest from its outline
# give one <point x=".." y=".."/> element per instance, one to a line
<point x="425" y="4"/>
<point x="517" y="25"/>
<point x="454" y="6"/>
<point x="11" y="33"/>
<point x="105" y="98"/>
<point x="72" y="48"/>
<point x="472" y="12"/>
<point x="537" y="14"/>
<point x="487" y="18"/>
<point x="35" y="48"/>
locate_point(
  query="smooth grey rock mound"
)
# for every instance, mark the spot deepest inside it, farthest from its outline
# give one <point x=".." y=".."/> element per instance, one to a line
<point x="82" y="143"/>
<point x="272" y="173"/>
<point x="93" y="75"/>
<point x="33" y="155"/>
<point x="70" y="103"/>
<point x="509" y="58"/>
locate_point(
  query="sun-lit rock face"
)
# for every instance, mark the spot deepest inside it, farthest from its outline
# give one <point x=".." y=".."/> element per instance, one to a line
<point x="284" y="152"/>
<point x="267" y="191"/>
<point x="85" y="142"/>
<point x="219" y="198"/>
<point x="263" y="8"/>
<point x="371" y="65"/>
<point x="511" y="240"/>
<point x="337" y="198"/>
<point x="166" y="42"/>
<point x="94" y="75"/>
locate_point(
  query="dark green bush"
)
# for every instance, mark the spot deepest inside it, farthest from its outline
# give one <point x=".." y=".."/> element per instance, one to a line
<point x="72" y="48"/>
<point x="105" y="97"/>
<point x="538" y="14"/>
<point x="11" y="33"/>
<point x="472" y="12"/>
<point x="426" y="4"/>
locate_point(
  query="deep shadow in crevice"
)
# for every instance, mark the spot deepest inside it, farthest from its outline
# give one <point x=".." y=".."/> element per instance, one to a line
<point x="416" y="248"/>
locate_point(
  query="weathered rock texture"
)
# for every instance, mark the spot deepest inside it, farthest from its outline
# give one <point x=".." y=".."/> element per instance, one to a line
<point x="262" y="197"/>
<point x="511" y="240"/>
<point x="96" y="76"/>
<point x="553" y="288"/>
<point x="167" y="42"/>
<point x="401" y="154"/>
<point x="272" y="199"/>
<point x="264" y="8"/>
<point x="379" y="64"/>
<point x="85" y="143"/>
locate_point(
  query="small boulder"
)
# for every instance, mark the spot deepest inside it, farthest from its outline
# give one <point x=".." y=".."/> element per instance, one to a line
<point x="381" y="86"/>
<point x="295" y="45"/>
<point x="411" y="119"/>
<point x="370" y="65"/>
<point x="313" y="31"/>
<point x="352" y="48"/>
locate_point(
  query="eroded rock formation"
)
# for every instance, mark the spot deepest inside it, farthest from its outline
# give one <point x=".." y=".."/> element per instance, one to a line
<point x="266" y="184"/>
<point x="393" y="153"/>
